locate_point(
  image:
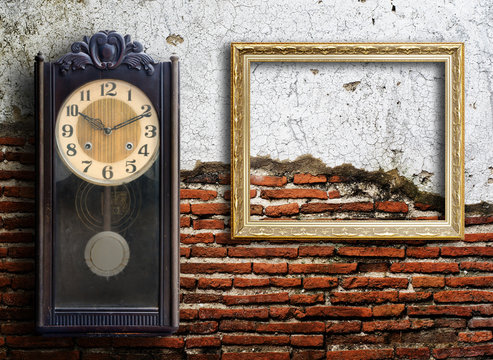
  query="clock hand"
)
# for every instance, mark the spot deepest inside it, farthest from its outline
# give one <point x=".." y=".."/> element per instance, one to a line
<point x="146" y="113"/>
<point x="95" y="123"/>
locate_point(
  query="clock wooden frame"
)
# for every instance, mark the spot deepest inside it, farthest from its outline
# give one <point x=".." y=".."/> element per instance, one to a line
<point x="108" y="55"/>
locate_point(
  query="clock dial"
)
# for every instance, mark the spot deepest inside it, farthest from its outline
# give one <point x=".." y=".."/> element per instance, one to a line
<point x="107" y="132"/>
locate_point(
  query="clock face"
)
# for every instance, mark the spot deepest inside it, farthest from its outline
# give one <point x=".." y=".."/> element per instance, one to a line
<point x="107" y="132"/>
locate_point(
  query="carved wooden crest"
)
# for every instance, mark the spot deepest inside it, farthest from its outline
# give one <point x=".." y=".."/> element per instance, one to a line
<point x="106" y="50"/>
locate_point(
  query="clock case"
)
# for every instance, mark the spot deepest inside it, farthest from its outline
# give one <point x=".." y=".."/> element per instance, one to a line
<point x="99" y="58"/>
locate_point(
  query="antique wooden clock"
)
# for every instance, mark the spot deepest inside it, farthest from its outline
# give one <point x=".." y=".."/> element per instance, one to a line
<point x="108" y="190"/>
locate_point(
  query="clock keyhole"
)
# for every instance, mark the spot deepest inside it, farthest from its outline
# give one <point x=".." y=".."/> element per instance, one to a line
<point x="129" y="146"/>
<point x="88" y="146"/>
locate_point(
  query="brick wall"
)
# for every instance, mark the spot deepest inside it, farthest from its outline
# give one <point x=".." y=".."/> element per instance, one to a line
<point x="278" y="300"/>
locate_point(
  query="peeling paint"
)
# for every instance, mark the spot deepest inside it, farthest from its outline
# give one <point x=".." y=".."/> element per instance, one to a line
<point x="174" y="39"/>
<point x="351" y="86"/>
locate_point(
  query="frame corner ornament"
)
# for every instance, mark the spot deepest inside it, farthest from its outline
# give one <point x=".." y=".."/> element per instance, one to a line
<point x="106" y="50"/>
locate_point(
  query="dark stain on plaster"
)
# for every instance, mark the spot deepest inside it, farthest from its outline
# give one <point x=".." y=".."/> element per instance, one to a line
<point x="482" y="208"/>
<point x="351" y="86"/>
<point x="314" y="71"/>
<point x="18" y="125"/>
<point x="174" y="39"/>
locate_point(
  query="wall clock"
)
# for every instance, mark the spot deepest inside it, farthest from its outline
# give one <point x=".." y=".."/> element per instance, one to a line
<point x="108" y="190"/>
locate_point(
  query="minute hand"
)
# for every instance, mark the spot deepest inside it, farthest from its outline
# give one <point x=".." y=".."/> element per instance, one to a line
<point x="131" y="120"/>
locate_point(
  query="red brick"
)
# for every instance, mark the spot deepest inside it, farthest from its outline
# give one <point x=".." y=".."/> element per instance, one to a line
<point x="210" y="209"/>
<point x="205" y="238"/>
<point x="388" y="310"/>
<point x="256" y="299"/>
<point x="16" y="266"/>
<point x="481" y="323"/>
<point x="421" y="253"/>
<point x="391" y="206"/>
<point x="24" y="342"/>
<point x="195" y="357"/>
<point x="425" y="267"/>
<point x="360" y="354"/>
<point x="18" y="299"/>
<point x="22" y="157"/>
<point x="17" y="222"/>
<point x="12" y="141"/>
<point x="476" y="266"/>
<point x="44" y="355"/>
<point x="16" y="237"/>
<point x="255" y="340"/>
<point x="210" y="252"/>
<point x="322" y="268"/>
<point x="262" y="252"/>
<point x="338" y="312"/>
<point x="334" y="194"/>
<point x="16" y="206"/>
<point x="282" y="313"/>
<point x="17" y="174"/>
<point x="214" y="283"/>
<point x="373" y="267"/>
<point x="343" y="327"/>
<point x="309" y="179"/>
<point x="261" y="268"/>
<point x="301" y="299"/>
<point x="185" y="221"/>
<point x="27" y="192"/>
<point x="320" y="282"/>
<point x="479" y="351"/>
<point x="422" y="324"/>
<point x="285" y="282"/>
<point x="208" y="224"/>
<point x="412" y="353"/>
<point x="282" y="210"/>
<point x="478" y="309"/>
<point x="292" y="327"/>
<point x="478" y="220"/>
<point x="467" y="251"/>
<point x="387" y="325"/>
<point x="432" y="310"/>
<point x="357" y="206"/>
<point x="475" y="336"/>
<point x="4" y="281"/>
<point x="375" y="297"/>
<point x="23" y="282"/>
<point x="478" y="237"/>
<point x="200" y="342"/>
<point x="245" y="283"/>
<point x="203" y="327"/>
<point x="227" y="194"/>
<point x="453" y="296"/>
<point x="316" y="251"/>
<point x="470" y="281"/>
<point x="414" y="296"/>
<point x="428" y="281"/>
<point x="307" y="340"/>
<point x="256" y="356"/>
<point x="256" y="210"/>
<point x="450" y="323"/>
<point x="205" y="195"/>
<point x="187" y="283"/>
<point x="337" y="179"/>
<point x="313" y="208"/>
<point x="294" y="194"/>
<point x="308" y="355"/>
<point x="199" y="298"/>
<point x="154" y="342"/>
<point x="261" y="180"/>
<point x="210" y="268"/>
<point x="184" y="208"/>
<point x="188" y="314"/>
<point x="21" y="251"/>
<point x="371" y="252"/>
<point x="250" y="313"/>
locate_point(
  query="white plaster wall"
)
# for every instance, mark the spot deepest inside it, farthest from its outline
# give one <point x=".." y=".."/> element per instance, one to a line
<point x="208" y="26"/>
<point x="371" y="115"/>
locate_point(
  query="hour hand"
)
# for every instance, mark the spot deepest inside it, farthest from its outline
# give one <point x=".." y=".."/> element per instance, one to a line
<point x="95" y="123"/>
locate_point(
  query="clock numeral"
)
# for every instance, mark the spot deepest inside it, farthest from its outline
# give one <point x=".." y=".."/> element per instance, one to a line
<point x="108" y="172"/>
<point x="146" y="108"/>
<point x="72" y="110"/>
<point x="71" y="149"/>
<point x="87" y="96"/>
<point x="89" y="163"/>
<point x="133" y="168"/>
<point x="129" y="95"/>
<point x="151" y="131"/>
<point x="143" y="150"/>
<point x="111" y="91"/>
<point x="68" y="130"/>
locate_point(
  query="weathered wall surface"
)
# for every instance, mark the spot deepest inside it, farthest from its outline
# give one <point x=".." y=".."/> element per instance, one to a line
<point x="259" y="300"/>
<point x="200" y="32"/>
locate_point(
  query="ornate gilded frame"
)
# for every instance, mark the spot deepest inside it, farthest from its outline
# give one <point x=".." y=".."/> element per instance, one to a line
<point x="451" y="54"/>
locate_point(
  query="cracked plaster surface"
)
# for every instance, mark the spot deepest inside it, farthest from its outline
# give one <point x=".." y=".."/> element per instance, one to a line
<point x="371" y="115"/>
<point x="208" y="26"/>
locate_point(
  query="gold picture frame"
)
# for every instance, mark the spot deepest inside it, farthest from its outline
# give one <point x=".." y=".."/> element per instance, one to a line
<point x="451" y="54"/>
